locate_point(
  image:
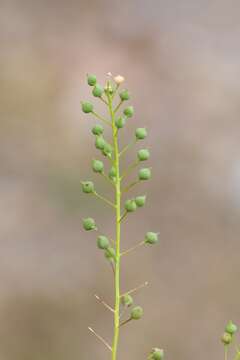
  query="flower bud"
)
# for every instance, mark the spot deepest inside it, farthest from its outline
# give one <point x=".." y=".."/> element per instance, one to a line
<point x="140" y="200"/>
<point x="143" y="154"/>
<point x="226" y="338"/>
<point x="110" y="253"/>
<point x="87" y="187"/>
<point x="127" y="300"/>
<point x="97" y="90"/>
<point x="91" y="79"/>
<point x="102" y="242"/>
<point x="124" y="95"/>
<point x="144" y="174"/>
<point x="107" y="150"/>
<point x="112" y="172"/>
<point x="157" y="354"/>
<point x="130" y="205"/>
<point x="89" y="224"/>
<point x="97" y="166"/>
<point x="151" y="238"/>
<point x="97" y="129"/>
<point x="129" y="111"/>
<point x="108" y="90"/>
<point x="87" y="107"/>
<point x="140" y="133"/>
<point x="119" y="79"/>
<point x="100" y="142"/>
<point x="120" y="122"/>
<point x="231" y="328"/>
<point x="136" y="313"/>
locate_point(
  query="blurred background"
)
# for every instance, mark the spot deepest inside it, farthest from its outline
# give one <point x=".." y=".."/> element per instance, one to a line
<point x="181" y="64"/>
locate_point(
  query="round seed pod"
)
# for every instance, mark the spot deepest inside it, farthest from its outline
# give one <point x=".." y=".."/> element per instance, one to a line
<point x="112" y="172"/>
<point x="89" y="224"/>
<point x="102" y="242"/>
<point x="140" y="133"/>
<point x="143" y="154"/>
<point x="87" y="107"/>
<point x="91" y="79"/>
<point x="124" y="95"/>
<point x="140" y="200"/>
<point x="97" y="90"/>
<point x="129" y="111"/>
<point x="226" y="338"/>
<point x="107" y="150"/>
<point x="144" y="174"/>
<point x="87" y="187"/>
<point x="231" y="328"/>
<point x="100" y="142"/>
<point x="137" y="313"/>
<point x="130" y="205"/>
<point x="120" y="122"/>
<point x="151" y="238"/>
<point x="97" y="166"/>
<point x="157" y="354"/>
<point x="97" y="130"/>
<point x="127" y="300"/>
<point x="110" y="253"/>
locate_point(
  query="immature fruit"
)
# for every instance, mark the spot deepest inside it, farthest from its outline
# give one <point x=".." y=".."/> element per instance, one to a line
<point x="107" y="150"/>
<point x="136" y="313"/>
<point x="129" y="111"/>
<point x="140" y="200"/>
<point x="97" y="129"/>
<point x="91" y="79"/>
<point x="127" y="300"/>
<point x="151" y="238"/>
<point x="110" y="253"/>
<point x="112" y="172"/>
<point x="231" y="328"/>
<point x="144" y="174"/>
<point x="100" y="142"/>
<point x="120" y="122"/>
<point x="87" y="187"/>
<point x="143" y="154"/>
<point x="89" y="224"/>
<point x="226" y="338"/>
<point x="130" y="205"/>
<point x="102" y="242"/>
<point x="140" y="133"/>
<point x="124" y="95"/>
<point x="97" y="166"/>
<point x="157" y="354"/>
<point x="87" y="107"/>
<point x="97" y="90"/>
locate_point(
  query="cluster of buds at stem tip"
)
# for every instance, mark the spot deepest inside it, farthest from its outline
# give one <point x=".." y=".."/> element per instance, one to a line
<point x="229" y="333"/>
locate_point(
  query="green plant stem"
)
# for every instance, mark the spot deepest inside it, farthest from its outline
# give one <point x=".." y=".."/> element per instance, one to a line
<point x="118" y="231"/>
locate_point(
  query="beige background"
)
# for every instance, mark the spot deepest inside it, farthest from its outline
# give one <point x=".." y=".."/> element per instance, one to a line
<point x="181" y="62"/>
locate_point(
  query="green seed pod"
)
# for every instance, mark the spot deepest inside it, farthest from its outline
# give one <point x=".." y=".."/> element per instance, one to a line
<point x="91" y="79"/>
<point x="110" y="253"/>
<point x="112" y="172"/>
<point x="97" y="166"/>
<point x="129" y="111"/>
<point x="231" y="328"/>
<point x="144" y="174"/>
<point x="100" y="142"/>
<point x="89" y="224"/>
<point x="127" y="300"/>
<point x="157" y="354"/>
<point x="140" y="133"/>
<point x="87" y="187"/>
<point x="97" y="90"/>
<point x="140" y="200"/>
<point x="143" y="154"/>
<point x="107" y="150"/>
<point x="130" y="205"/>
<point x="151" y="238"/>
<point x="97" y="130"/>
<point x="87" y="107"/>
<point x="102" y="242"/>
<point x="226" y="338"/>
<point x="124" y="95"/>
<point x="120" y="122"/>
<point x="136" y="313"/>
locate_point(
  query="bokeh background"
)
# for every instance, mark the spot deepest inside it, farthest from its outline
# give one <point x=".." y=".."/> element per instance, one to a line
<point x="181" y="61"/>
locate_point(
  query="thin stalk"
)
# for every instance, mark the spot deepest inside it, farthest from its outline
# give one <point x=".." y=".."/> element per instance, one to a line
<point x="100" y="338"/>
<point x="104" y="199"/>
<point x="118" y="231"/>
<point x="133" y="248"/>
<point x="101" y="118"/>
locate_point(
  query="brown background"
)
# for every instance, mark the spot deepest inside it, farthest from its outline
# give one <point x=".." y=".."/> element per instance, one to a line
<point x="181" y="62"/>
